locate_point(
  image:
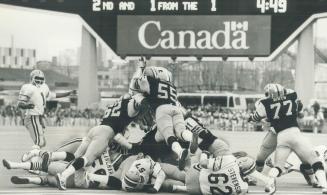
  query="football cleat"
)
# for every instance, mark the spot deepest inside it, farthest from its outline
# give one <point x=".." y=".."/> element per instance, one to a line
<point x="6" y="164"/>
<point x="19" y="180"/>
<point x="61" y="182"/>
<point x="182" y="159"/>
<point x="45" y="161"/>
<point x="271" y="186"/>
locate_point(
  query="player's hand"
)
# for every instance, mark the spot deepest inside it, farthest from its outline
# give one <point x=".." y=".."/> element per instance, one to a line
<point x="152" y="190"/>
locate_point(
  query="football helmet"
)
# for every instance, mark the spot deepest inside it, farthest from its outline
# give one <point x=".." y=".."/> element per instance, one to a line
<point x="37" y="77"/>
<point x="275" y="91"/>
<point x="132" y="179"/>
<point x="159" y="73"/>
<point x="246" y="164"/>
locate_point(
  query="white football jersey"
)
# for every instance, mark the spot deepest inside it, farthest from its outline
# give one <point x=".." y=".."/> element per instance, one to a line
<point x="37" y="96"/>
<point x="222" y="177"/>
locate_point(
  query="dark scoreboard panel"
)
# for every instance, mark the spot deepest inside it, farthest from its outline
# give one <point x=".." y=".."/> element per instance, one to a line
<point x="107" y="18"/>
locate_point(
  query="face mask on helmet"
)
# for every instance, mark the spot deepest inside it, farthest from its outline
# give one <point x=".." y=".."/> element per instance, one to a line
<point x="37" y="77"/>
<point x="38" y="80"/>
<point x="274" y="91"/>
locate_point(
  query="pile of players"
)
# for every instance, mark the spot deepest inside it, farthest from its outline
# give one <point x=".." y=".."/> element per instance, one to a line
<point x="177" y="154"/>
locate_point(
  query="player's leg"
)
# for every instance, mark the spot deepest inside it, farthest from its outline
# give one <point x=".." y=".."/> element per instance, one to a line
<point x="172" y="172"/>
<point x="33" y="129"/>
<point x="99" y="139"/>
<point x="305" y="150"/>
<point x="268" y="146"/>
<point x="170" y="185"/>
<point x="192" y="180"/>
<point x="166" y="129"/>
<point x="39" y="124"/>
<point x="219" y="147"/>
<point x="283" y="150"/>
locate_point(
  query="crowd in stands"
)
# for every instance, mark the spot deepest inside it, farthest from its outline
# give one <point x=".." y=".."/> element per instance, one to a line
<point x="216" y="117"/>
<point x="12" y="116"/>
<point x="212" y="116"/>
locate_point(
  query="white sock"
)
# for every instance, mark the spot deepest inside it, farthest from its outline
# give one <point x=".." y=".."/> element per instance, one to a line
<point x="68" y="172"/>
<point x="35" y="180"/>
<point x="273" y="172"/>
<point x="177" y="148"/>
<point x="20" y="165"/>
<point x="55" y="156"/>
<point x="259" y="176"/>
<point x="178" y="188"/>
<point x="187" y="135"/>
<point x="103" y="179"/>
<point x="321" y="176"/>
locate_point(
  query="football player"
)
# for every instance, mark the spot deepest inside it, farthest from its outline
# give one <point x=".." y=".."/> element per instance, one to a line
<point x="139" y="173"/>
<point x="105" y="165"/>
<point x="280" y="108"/>
<point x="221" y="175"/>
<point x="156" y="84"/>
<point x="32" y="98"/>
<point x="115" y="120"/>
<point x="293" y="163"/>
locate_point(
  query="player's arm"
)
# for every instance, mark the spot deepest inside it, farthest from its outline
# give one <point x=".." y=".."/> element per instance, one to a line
<point x="259" y="114"/>
<point x="24" y="97"/>
<point x="160" y="176"/>
<point x="65" y="94"/>
<point x="133" y="86"/>
<point x="105" y="181"/>
<point x="137" y="104"/>
<point x="121" y="140"/>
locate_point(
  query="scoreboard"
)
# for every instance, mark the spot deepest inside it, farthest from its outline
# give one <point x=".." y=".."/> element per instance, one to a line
<point x="215" y="28"/>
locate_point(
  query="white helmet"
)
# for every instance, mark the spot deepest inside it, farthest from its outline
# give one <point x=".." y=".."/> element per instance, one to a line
<point x="246" y="164"/>
<point x="132" y="180"/>
<point x="160" y="73"/>
<point x="37" y="77"/>
<point x="275" y="91"/>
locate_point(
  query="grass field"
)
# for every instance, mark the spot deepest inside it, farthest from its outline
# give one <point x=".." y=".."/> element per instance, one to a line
<point x="14" y="141"/>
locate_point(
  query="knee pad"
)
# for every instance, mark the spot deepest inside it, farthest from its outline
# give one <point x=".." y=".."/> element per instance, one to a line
<point x="306" y="169"/>
<point x="69" y="157"/>
<point x="207" y="139"/>
<point x="317" y="166"/>
<point x="259" y="165"/>
<point x="171" y="140"/>
<point x="79" y="163"/>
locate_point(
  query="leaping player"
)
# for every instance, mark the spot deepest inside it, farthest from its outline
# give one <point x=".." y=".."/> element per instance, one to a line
<point x="157" y="85"/>
<point x="115" y="120"/>
<point x="280" y="108"/>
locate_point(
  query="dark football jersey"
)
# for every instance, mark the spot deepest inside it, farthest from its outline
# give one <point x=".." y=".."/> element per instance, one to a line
<point x="116" y="116"/>
<point x="161" y="92"/>
<point x="282" y="114"/>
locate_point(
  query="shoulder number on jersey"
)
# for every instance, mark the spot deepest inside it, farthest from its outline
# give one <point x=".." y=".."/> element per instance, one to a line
<point x="113" y="110"/>
<point x="215" y="178"/>
<point x="166" y="91"/>
<point x="276" y="107"/>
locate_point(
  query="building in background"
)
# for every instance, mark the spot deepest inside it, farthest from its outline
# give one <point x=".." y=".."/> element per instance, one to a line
<point x="11" y="57"/>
